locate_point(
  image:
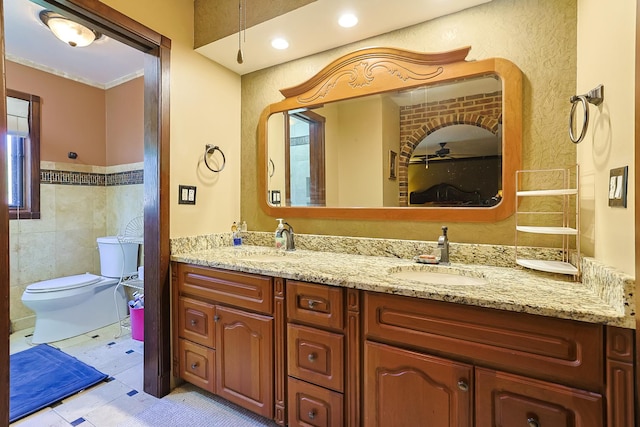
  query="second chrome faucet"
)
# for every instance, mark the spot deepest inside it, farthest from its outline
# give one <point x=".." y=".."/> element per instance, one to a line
<point x="443" y="246"/>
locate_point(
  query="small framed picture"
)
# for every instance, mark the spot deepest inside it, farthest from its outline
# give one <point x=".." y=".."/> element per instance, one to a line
<point x="393" y="160"/>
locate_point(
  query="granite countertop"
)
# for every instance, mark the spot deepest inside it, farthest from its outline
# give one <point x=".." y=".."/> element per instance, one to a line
<point x="599" y="298"/>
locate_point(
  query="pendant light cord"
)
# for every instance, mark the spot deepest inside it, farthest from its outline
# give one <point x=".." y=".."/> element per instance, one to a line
<point x="241" y="30"/>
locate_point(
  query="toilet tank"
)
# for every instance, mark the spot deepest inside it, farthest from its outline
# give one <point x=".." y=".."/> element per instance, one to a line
<point x="113" y="255"/>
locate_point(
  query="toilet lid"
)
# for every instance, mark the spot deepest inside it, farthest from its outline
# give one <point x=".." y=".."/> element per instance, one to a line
<point x="63" y="283"/>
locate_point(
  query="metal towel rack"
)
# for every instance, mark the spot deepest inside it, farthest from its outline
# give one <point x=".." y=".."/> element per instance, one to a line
<point x="595" y="97"/>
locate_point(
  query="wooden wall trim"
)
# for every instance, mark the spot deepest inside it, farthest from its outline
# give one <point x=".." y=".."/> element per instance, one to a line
<point x="157" y="339"/>
<point x="4" y="247"/>
<point x="637" y="204"/>
<point x="157" y="345"/>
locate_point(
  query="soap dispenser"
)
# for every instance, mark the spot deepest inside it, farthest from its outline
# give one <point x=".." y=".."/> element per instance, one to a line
<point x="280" y="239"/>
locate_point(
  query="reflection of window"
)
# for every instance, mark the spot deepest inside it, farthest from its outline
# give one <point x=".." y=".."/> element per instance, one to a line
<point x="304" y="160"/>
<point x="23" y="155"/>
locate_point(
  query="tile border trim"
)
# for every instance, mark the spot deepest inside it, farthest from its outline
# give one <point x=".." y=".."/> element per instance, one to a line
<point x="61" y="177"/>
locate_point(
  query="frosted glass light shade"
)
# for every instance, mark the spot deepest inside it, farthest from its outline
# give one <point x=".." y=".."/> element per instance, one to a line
<point x="70" y="32"/>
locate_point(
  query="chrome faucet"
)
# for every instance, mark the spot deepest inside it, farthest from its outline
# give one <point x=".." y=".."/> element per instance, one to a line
<point x="443" y="246"/>
<point x="290" y="242"/>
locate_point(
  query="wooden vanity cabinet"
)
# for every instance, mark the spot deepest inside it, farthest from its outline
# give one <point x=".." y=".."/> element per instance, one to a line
<point x="307" y="354"/>
<point x="457" y="363"/>
<point x="321" y="345"/>
<point x="225" y="334"/>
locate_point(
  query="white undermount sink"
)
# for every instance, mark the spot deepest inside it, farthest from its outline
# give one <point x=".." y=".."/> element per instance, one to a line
<point x="438" y="275"/>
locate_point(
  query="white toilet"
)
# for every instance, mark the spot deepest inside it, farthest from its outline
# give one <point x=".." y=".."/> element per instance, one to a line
<point x="73" y="305"/>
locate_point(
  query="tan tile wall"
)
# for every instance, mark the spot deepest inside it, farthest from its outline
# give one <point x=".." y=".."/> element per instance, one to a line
<point x="63" y="241"/>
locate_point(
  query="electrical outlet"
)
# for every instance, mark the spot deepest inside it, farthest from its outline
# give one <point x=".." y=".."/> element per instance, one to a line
<point x="186" y="195"/>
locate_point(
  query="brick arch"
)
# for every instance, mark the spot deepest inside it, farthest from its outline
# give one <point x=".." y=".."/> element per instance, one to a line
<point x="428" y="127"/>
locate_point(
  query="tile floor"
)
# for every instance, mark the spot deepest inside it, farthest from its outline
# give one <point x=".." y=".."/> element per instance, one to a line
<point x="115" y="402"/>
<point x="107" y="403"/>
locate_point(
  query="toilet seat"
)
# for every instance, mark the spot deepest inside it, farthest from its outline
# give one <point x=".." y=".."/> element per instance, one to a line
<point x="63" y="283"/>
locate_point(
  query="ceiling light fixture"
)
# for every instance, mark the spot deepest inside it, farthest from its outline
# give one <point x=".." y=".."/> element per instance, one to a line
<point x="70" y="32"/>
<point x="279" y="43"/>
<point x="348" y="20"/>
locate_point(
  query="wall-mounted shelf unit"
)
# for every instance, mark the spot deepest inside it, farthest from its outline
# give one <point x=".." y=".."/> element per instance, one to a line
<point x="548" y="203"/>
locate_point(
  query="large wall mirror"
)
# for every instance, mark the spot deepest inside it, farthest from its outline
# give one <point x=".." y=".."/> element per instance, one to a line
<point x="390" y="134"/>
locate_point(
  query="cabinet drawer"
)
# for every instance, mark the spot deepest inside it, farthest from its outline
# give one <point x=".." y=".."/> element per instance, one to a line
<point x="310" y="405"/>
<point x="243" y="290"/>
<point x="509" y="400"/>
<point x="316" y="356"/>
<point x="319" y="305"/>
<point x="557" y="350"/>
<point x="196" y="321"/>
<point x="197" y="365"/>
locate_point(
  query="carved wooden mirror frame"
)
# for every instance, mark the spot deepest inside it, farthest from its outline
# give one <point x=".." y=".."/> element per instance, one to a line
<point x="377" y="70"/>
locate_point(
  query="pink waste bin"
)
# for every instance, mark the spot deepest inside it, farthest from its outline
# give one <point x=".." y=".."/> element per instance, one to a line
<point x="137" y="323"/>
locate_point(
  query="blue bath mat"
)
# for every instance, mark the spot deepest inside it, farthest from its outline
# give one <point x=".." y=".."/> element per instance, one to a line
<point x="43" y="375"/>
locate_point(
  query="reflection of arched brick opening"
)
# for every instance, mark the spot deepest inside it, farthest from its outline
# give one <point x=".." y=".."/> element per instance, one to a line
<point x="410" y="138"/>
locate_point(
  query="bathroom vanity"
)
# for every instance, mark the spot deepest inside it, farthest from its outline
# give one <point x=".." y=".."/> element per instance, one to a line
<point x="327" y="339"/>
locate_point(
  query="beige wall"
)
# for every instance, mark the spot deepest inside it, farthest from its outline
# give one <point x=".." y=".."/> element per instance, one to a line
<point x="205" y="109"/>
<point x="73" y="115"/>
<point x="124" y="106"/>
<point x="538" y="36"/>
<point x="390" y="141"/>
<point x="606" y="55"/>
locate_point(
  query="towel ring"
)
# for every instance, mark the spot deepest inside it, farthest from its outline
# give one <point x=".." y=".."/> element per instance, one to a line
<point x="211" y="149"/>
<point x="271" y="168"/>
<point x="585" y="122"/>
<point x="595" y="96"/>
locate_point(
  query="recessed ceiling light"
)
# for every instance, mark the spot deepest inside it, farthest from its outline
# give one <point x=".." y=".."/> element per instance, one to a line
<point x="348" y="20"/>
<point x="279" y="43"/>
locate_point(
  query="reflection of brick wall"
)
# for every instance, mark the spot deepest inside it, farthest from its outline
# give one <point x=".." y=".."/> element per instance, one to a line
<point x="419" y="120"/>
<point x="483" y="106"/>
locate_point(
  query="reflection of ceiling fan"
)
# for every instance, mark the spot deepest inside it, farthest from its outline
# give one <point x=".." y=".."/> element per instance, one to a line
<point x="442" y="152"/>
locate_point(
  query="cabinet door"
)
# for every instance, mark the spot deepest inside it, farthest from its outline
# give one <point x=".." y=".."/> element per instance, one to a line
<point x="406" y="389"/>
<point x="244" y="358"/>
<point x="506" y="400"/>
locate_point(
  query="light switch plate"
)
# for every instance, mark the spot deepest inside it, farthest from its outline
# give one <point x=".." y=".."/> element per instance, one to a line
<point x="186" y="195"/>
<point x="618" y="187"/>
